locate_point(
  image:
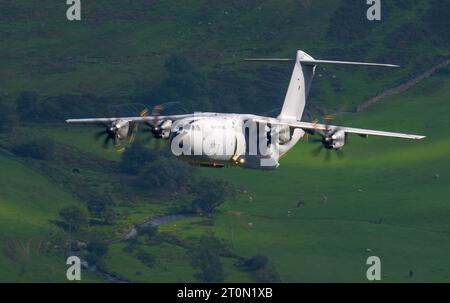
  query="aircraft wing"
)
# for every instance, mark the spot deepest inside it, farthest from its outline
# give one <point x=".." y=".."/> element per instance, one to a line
<point x="129" y="119"/>
<point x="306" y="126"/>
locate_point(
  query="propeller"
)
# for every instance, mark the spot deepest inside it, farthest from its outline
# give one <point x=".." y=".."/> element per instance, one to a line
<point x="135" y="126"/>
<point x="109" y="135"/>
<point x="326" y="139"/>
<point x="114" y="133"/>
<point x="153" y="126"/>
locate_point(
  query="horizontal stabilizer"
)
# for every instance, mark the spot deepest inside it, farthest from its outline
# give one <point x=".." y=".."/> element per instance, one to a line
<point x="270" y="59"/>
<point x="314" y="62"/>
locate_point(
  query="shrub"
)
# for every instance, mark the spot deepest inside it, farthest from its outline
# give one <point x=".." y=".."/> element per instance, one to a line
<point x="438" y="21"/>
<point x="205" y="257"/>
<point x="165" y="174"/>
<point x="135" y="157"/>
<point x="148" y="231"/>
<point x="131" y="246"/>
<point x="184" y="82"/>
<point x="349" y="22"/>
<point x="6" y="116"/>
<point x="210" y="193"/>
<point x="27" y="106"/>
<point x="146" y="258"/>
<point x="39" y="149"/>
<point x="74" y="216"/>
<point x="98" y="248"/>
<point x="255" y="263"/>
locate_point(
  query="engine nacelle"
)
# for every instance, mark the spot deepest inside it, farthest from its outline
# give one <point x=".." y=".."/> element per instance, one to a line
<point x="162" y="130"/>
<point x="165" y="129"/>
<point x="120" y="129"/>
<point x="284" y="134"/>
<point x="336" y="141"/>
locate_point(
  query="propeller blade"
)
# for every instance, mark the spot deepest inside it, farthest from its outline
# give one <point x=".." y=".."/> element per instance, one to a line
<point x="135" y="126"/>
<point x="105" y="125"/>
<point x="329" y="118"/>
<point x="99" y="134"/>
<point x="120" y="149"/>
<point x="144" y="112"/>
<point x="340" y="153"/>
<point x="155" y="113"/>
<point x="307" y="137"/>
<point x="134" y="130"/>
<point x="315" y="140"/>
<point x="157" y="145"/>
<point x="149" y="126"/>
<point x="105" y="144"/>
<point x="316" y="151"/>
<point x="328" y="155"/>
<point x="147" y="139"/>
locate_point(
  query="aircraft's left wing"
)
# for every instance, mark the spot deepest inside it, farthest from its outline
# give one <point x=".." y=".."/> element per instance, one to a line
<point x="129" y="119"/>
<point x="349" y="130"/>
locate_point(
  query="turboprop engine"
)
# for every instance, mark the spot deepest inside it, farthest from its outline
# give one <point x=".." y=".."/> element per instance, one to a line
<point x="117" y="131"/>
<point x="335" y="139"/>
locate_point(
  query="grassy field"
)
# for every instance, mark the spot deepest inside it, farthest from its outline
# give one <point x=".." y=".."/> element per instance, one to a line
<point x="119" y="49"/>
<point x="173" y="265"/>
<point x="386" y="198"/>
<point x="28" y="202"/>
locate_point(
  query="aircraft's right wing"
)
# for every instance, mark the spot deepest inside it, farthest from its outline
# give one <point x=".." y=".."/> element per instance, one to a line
<point x="307" y="126"/>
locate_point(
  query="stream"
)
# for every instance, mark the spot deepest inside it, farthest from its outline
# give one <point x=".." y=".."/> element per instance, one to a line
<point x="134" y="232"/>
<point x="155" y="222"/>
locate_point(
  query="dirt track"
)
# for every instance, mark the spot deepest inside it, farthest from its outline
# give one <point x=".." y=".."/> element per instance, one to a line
<point x="401" y="88"/>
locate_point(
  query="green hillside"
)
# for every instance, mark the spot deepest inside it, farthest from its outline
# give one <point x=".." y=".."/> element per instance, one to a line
<point x="311" y="220"/>
<point x="385" y="198"/>
<point x="118" y="50"/>
<point x="28" y="202"/>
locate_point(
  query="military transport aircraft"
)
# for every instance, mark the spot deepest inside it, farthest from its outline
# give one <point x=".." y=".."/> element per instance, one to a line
<point x="246" y="140"/>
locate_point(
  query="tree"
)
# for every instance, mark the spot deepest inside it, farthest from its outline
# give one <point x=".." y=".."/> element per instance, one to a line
<point x="109" y="216"/>
<point x="437" y="20"/>
<point x="6" y="114"/>
<point x="74" y="216"/>
<point x="146" y="258"/>
<point x="99" y="206"/>
<point x="42" y="149"/>
<point x="205" y="257"/>
<point x="96" y="206"/>
<point x="96" y="251"/>
<point x="184" y="82"/>
<point x="165" y="174"/>
<point x="135" y="157"/>
<point x="255" y="263"/>
<point x="150" y="231"/>
<point x="98" y="248"/>
<point x="27" y="106"/>
<point x="210" y="193"/>
<point x="350" y="21"/>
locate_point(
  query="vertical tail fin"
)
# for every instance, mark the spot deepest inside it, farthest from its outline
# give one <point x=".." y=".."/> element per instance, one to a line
<point x="299" y="87"/>
<point x="301" y="79"/>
